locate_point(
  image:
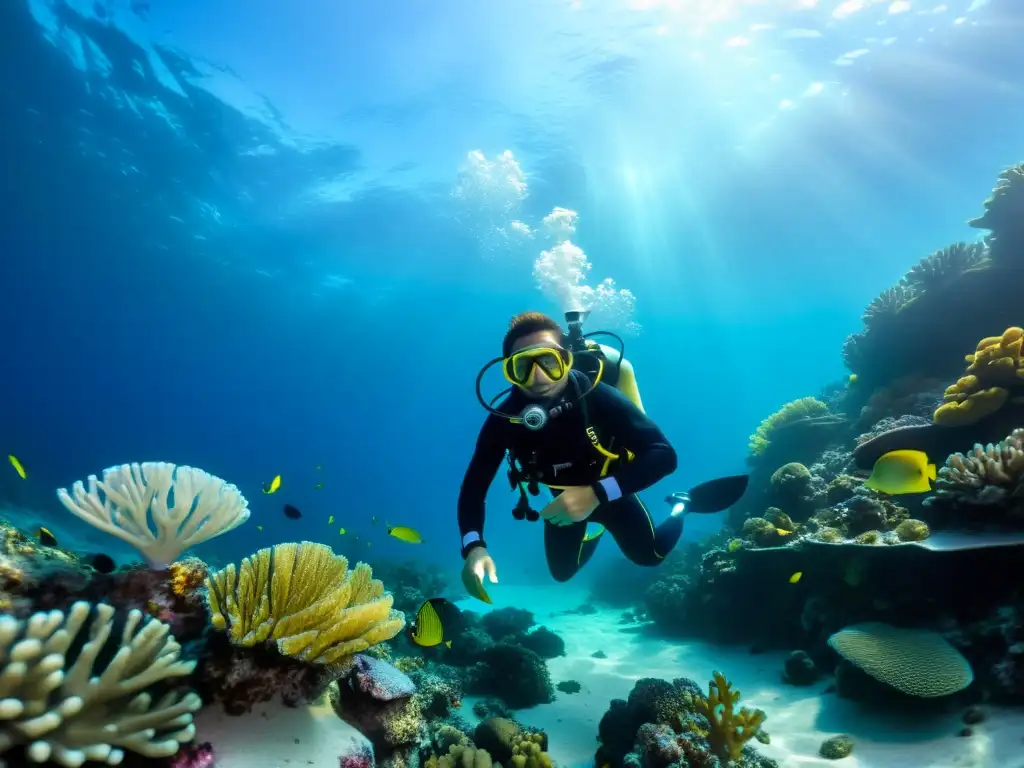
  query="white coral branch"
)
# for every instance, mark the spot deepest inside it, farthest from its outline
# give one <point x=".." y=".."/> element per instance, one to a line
<point x="159" y="508"/>
<point x="65" y="714"/>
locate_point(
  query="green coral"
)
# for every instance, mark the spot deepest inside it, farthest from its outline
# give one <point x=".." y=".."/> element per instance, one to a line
<point x="730" y="730"/>
<point x="836" y="748"/>
<point x="913" y="530"/>
<point x="829" y="535"/>
<point x="869" y="537"/>
<point x="804" y="408"/>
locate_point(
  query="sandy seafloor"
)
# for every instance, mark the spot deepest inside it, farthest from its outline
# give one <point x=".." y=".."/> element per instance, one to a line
<point x="799" y="719"/>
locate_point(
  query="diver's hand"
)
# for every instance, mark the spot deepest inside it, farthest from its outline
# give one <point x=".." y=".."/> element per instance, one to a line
<point x="478" y="564"/>
<point x="573" y="505"/>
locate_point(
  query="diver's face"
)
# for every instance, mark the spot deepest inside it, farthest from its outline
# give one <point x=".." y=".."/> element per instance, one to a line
<point x="542" y="386"/>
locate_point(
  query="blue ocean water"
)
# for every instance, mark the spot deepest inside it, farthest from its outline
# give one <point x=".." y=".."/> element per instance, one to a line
<point x="252" y="238"/>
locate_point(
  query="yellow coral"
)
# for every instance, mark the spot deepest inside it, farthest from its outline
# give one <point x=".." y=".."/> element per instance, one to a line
<point x="993" y="370"/>
<point x="187" y="575"/>
<point x="305" y="598"/>
<point x="804" y="408"/>
<point x="730" y="729"/>
<point x="528" y="751"/>
<point x="461" y="756"/>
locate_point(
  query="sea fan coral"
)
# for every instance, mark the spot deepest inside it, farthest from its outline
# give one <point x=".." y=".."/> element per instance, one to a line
<point x="305" y="598"/>
<point x="203" y="506"/>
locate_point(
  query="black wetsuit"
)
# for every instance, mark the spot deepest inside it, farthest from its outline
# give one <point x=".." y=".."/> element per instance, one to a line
<point x="562" y="453"/>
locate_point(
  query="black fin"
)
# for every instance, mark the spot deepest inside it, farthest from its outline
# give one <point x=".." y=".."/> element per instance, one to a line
<point x="718" y="494"/>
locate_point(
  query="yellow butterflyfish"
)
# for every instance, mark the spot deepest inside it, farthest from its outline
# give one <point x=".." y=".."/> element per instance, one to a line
<point x="404" y="533"/>
<point x="17" y="466"/>
<point x="903" y="471"/>
<point x="342" y="531"/>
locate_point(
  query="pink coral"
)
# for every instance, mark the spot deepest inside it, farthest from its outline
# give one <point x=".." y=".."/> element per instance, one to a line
<point x="194" y="756"/>
<point x="363" y="758"/>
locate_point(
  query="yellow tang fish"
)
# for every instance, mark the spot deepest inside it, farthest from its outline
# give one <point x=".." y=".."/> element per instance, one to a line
<point x="273" y="485"/>
<point x="404" y="533"/>
<point x="330" y="519"/>
<point x="899" y="472"/>
<point x="342" y="531"/>
<point x="259" y="527"/>
<point x="796" y="577"/>
<point x="433" y="624"/>
<point x="17" y="466"/>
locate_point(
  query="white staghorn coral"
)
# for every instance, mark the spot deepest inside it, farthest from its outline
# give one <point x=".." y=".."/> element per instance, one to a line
<point x="203" y="506"/>
<point x="65" y="714"/>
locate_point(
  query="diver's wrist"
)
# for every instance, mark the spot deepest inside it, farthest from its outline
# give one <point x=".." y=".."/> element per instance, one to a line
<point x="478" y="544"/>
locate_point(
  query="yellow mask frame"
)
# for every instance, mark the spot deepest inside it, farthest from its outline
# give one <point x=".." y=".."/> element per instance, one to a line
<point x="520" y="368"/>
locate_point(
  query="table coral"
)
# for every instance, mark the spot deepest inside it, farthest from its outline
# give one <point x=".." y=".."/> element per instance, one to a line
<point x="916" y="662"/>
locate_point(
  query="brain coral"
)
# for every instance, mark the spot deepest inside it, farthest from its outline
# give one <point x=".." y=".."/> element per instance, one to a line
<point x="917" y="662"/>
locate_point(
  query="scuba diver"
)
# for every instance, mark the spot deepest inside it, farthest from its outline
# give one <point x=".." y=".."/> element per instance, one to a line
<point x="572" y="420"/>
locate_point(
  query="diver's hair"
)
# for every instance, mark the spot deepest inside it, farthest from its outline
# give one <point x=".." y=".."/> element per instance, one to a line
<point x="526" y="323"/>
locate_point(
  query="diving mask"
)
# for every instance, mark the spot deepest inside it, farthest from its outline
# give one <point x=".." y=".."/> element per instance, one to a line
<point x="521" y="366"/>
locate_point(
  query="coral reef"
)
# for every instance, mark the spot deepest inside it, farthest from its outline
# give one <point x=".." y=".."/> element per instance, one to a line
<point x="672" y="723"/>
<point x="60" y="712"/>
<point x="128" y="496"/>
<point x="1004" y="217"/>
<point x="516" y="674"/>
<point x="304" y="598"/>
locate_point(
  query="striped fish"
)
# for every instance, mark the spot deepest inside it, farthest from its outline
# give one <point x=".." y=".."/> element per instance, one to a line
<point x="429" y="628"/>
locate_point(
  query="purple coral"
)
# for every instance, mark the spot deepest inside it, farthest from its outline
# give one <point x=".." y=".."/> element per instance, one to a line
<point x="194" y="756"/>
<point x="362" y="758"/>
<point x="380" y="680"/>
